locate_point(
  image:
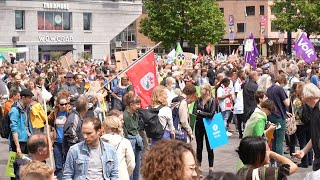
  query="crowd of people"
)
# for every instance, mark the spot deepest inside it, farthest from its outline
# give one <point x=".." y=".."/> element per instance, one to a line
<point x="105" y="134"/>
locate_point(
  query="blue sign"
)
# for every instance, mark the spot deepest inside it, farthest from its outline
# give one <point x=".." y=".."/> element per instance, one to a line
<point x="216" y="131"/>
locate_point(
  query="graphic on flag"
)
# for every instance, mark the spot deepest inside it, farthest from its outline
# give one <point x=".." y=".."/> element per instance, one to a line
<point x="251" y="52"/>
<point x="143" y="78"/>
<point x="305" y="48"/>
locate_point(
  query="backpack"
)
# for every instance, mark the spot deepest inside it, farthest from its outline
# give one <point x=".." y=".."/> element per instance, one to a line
<point x="181" y="133"/>
<point x="150" y="119"/>
<point x="5" y="129"/>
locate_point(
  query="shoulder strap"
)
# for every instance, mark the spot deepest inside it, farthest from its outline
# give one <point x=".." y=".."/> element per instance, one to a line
<point x="119" y="144"/>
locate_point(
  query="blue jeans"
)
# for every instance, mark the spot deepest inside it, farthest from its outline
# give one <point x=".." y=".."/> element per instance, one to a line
<point x="137" y="146"/>
<point x="279" y="134"/>
<point x="225" y="116"/>
<point x="58" y="159"/>
<point x="166" y="135"/>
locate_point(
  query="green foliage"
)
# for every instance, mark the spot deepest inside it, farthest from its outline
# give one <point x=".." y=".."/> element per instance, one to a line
<point x="297" y="14"/>
<point x="85" y="55"/>
<point x="55" y="55"/>
<point x="169" y="21"/>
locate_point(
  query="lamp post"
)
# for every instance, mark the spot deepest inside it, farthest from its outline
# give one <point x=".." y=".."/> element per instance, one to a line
<point x="289" y="38"/>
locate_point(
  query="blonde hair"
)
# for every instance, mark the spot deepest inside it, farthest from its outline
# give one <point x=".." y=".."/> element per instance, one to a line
<point x="37" y="167"/>
<point x="156" y="98"/>
<point x="207" y="87"/>
<point x="113" y="123"/>
<point x="311" y="91"/>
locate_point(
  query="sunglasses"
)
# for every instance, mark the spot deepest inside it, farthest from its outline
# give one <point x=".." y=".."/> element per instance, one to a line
<point x="64" y="104"/>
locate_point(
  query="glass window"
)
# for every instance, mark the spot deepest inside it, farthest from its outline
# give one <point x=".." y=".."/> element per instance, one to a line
<point x="250" y="10"/>
<point x="261" y="10"/>
<point x="222" y="10"/>
<point x="48" y="21"/>
<point x="57" y="20"/>
<point x="19" y="18"/>
<point x="274" y="28"/>
<point x="40" y="20"/>
<point x="87" y="21"/>
<point x="240" y="27"/>
<point x="67" y="21"/>
<point x="131" y="36"/>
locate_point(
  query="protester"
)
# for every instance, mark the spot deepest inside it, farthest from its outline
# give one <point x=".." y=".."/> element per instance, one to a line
<point x="20" y="125"/>
<point x="311" y="96"/>
<point x="14" y="96"/>
<point x="131" y="129"/>
<point x="204" y="107"/>
<point x="277" y="94"/>
<point x="249" y="90"/>
<point x="170" y="159"/>
<point x="224" y="96"/>
<point x="126" y="158"/>
<point x="72" y="128"/>
<point x="57" y="119"/>
<point x="221" y="176"/>
<point x="238" y="106"/>
<point x="92" y="158"/>
<point x="259" y="156"/>
<point x="170" y="86"/>
<point x="159" y="101"/>
<point x="36" y="171"/>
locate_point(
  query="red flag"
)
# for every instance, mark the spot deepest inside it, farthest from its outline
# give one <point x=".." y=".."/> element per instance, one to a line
<point x="199" y="58"/>
<point x="108" y="59"/>
<point x="143" y="78"/>
<point x="209" y="49"/>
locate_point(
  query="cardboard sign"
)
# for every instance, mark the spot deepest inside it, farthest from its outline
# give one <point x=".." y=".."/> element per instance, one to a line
<point x="188" y="64"/>
<point x="125" y="58"/>
<point x="67" y="60"/>
<point x="216" y="131"/>
<point x="282" y="65"/>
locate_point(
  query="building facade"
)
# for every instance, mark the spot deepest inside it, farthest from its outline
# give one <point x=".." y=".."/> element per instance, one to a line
<point x="43" y="27"/>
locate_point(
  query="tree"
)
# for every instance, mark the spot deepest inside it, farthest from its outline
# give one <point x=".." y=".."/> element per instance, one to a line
<point x="85" y="55"/>
<point x="55" y="55"/>
<point x="292" y="15"/>
<point x="169" y="21"/>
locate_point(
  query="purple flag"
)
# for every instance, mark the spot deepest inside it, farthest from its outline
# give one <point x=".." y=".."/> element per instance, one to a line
<point x="251" y="56"/>
<point x="305" y="48"/>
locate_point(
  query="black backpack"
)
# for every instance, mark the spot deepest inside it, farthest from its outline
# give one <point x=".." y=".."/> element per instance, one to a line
<point x="152" y="126"/>
<point x="5" y="129"/>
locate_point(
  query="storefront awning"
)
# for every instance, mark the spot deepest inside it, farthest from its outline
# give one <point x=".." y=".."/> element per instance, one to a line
<point x="55" y="48"/>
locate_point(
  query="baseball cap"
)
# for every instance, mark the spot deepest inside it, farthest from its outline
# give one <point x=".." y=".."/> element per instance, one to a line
<point x="69" y="75"/>
<point x="26" y="92"/>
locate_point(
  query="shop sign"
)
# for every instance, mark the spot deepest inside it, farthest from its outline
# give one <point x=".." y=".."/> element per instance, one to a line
<point x="56" y="6"/>
<point x="55" y="39"/>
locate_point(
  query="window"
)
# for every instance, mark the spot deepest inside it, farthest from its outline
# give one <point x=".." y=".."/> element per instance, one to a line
<point x="250" y="10"/>
<point x="87" y="21"/>
<point x="19" y="18"/>
<point x="131" y="36"/>
<point x="261" y="10"/>
<point x="274" y="28"/>
<point x="54" y="20"/>
<point x="88" y="48"/>
<point x="240" y="27"/>
<point x="222" y="10"/>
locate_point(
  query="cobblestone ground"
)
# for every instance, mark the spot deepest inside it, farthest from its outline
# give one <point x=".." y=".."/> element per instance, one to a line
<point x="225" y="159"/>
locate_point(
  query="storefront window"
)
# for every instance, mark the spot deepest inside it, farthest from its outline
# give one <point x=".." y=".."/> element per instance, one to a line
<point x="58" y="21"/>
<point x="54" y="20"/>
<point x="87" y="21"/>
<point x="19" y="18"/>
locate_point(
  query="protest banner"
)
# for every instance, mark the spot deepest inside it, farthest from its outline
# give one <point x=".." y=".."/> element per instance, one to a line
<point x="216" y="131"/>
<point x="124" y="58"/>
<point x="67" y="60"/>
<point x="305" y="49"/>
<point x="188" y="64"/>
<point x="9" y="167"/>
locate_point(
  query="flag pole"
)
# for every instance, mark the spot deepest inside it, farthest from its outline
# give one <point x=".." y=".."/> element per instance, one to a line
<point x="48" y="134"/>
<point x="130" y="66"/>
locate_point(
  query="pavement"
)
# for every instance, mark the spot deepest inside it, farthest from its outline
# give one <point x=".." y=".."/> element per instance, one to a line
<point x="225" y="159"/>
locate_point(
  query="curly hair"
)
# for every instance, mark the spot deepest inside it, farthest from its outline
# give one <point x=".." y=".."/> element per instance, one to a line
<point x="37" y="167"/>
<point x="157" y="96"/>
<point x="130" y="97"/>
<point x="208" y="89"/>
<point x="165" y="160"/>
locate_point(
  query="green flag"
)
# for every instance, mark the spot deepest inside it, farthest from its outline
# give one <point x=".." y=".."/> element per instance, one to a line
<point x="178" y="49"/>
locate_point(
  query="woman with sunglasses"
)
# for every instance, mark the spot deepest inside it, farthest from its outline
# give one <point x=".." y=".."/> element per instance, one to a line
<point x="57" y="119"/>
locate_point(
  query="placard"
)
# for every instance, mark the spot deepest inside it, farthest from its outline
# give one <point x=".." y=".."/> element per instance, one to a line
<point x="216" y="131"/>
<point x="11" y="160"/>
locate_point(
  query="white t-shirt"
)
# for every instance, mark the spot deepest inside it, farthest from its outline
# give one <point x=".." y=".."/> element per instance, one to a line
<point x="170" y="95"/>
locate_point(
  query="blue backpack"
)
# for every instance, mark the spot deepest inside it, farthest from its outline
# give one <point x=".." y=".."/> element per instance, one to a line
<point x="181" y="133"/>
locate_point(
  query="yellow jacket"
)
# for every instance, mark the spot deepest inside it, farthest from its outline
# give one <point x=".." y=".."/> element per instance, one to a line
<point x="37" y="115"/>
